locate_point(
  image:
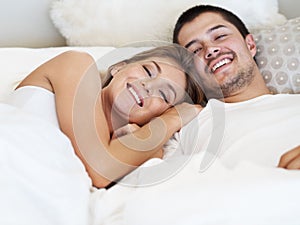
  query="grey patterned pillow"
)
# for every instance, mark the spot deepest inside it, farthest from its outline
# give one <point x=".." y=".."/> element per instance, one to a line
<point x="278" y="54"/>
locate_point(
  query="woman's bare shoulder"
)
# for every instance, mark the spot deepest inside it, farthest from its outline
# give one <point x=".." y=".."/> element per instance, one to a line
<point x="57" y="68"/>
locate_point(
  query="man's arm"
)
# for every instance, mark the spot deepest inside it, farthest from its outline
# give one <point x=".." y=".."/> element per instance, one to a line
<point x="291" y="159"/>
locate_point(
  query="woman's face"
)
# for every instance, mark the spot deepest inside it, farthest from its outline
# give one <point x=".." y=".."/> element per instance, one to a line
<point x="142" y="90"/>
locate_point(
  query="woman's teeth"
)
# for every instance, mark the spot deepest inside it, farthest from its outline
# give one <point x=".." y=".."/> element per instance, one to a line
<point x="135" y="95"/>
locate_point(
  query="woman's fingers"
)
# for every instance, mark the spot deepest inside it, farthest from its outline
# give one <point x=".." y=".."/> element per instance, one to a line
<point x="187" y="111"/>
<point x="127" y="129"/>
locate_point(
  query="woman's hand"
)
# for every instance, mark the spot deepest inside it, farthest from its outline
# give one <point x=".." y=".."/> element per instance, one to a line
<point x="127" y="129"/>
<point x="291" y="159"/>
<point x="185" y="112"/>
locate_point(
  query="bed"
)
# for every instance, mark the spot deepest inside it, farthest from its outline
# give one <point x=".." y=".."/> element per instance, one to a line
<point x="47" y="184"/>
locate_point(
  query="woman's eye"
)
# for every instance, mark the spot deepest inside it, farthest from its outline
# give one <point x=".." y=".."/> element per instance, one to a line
<point x="147" y="71"/>
<point x="164" y="96"/>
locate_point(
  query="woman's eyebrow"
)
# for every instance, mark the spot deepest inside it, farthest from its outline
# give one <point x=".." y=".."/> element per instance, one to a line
<point x="157" y="66"/>
<point x="169" y="85"/>
<point x="172" y="90"/>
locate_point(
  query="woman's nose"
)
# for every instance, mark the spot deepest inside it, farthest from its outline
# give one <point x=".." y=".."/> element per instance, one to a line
<point x="212" y="52"/>
<point x="151" y="86"/>
<point x="146" y="84"/>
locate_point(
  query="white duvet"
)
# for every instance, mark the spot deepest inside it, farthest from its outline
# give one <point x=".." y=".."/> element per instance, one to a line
<point x="41" y="179"/>
<point x="242" y="186"/>
<point x="245" y="195"/>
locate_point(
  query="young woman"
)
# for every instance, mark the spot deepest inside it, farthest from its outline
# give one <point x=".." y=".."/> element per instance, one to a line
<point x="138" y="93"/>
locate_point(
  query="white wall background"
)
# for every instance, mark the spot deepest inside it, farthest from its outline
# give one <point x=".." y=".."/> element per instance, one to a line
<point x="290" y="8"/>
<point x="27" y="23"/>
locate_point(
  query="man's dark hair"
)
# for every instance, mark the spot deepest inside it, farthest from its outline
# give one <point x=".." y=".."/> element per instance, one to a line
<point x="190" y="14"/>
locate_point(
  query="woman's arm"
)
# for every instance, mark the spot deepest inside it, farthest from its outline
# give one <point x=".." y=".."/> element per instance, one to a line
<point x="75" y="80"/>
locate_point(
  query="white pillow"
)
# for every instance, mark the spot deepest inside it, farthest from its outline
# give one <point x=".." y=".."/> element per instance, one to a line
<point x="117" y="22"/>
<point x="17" y="63"/>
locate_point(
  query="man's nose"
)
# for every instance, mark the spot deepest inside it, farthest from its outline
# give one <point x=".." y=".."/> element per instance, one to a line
<point x="212" y="52"/>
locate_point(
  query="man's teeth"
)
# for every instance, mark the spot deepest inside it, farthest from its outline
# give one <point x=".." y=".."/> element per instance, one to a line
<point x="135" y="95"/>
<point x="219" y="64"/>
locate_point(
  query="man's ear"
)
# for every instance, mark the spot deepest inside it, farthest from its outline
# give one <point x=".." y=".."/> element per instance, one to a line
<point x="117" y="67"/>
<point x="251" y="44"/>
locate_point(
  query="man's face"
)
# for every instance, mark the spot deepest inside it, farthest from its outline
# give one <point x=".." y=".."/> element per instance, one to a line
<point x="225" y="56"/>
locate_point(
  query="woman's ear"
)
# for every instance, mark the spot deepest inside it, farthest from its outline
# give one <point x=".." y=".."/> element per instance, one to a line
<point x="117" y="67"/>
<point x="251" y="44"/>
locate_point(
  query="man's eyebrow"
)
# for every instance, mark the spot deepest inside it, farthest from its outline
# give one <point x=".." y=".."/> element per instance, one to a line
<point x="190" y="43"/>
<point x="215" y="28"/>
<point x="209" y="31"/>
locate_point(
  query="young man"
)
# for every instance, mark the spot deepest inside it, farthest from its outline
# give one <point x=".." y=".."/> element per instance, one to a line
<point x="252" y="124"/>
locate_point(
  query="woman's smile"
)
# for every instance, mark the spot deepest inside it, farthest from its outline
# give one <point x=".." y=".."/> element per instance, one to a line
<point x="135" y="94"/>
